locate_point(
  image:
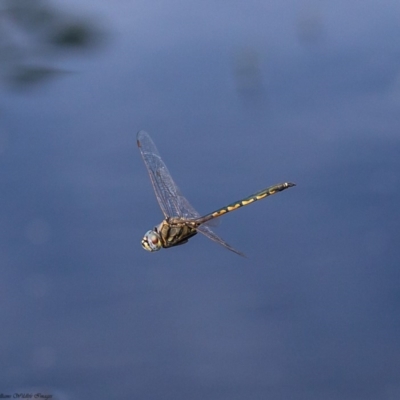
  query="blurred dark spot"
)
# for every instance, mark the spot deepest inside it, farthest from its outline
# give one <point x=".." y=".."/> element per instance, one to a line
<point x="24" y="75"/>
<point x="33" y="34"/>
<point x="29" y="13"/>
<point x="74" y="35"/>
<point x="248" y="72"/>
<point x="310" y="28"/>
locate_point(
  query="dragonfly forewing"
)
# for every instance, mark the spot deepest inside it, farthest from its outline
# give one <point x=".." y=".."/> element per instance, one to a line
<point x="166" y="190"/>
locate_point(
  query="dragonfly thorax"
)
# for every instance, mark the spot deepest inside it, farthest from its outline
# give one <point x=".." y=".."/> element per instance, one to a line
<point x="151" y="241"/>
<point x="171" y="232"/>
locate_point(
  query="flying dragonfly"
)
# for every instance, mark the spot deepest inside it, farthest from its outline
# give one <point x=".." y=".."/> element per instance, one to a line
<point x="181" y="220"/>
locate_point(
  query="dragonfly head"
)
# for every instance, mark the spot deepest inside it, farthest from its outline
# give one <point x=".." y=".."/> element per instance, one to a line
<point x="151" y="241"/>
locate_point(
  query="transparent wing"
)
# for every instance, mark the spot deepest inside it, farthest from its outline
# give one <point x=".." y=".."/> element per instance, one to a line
<point x="169" y="197"/>
<point x="206" y="231"/>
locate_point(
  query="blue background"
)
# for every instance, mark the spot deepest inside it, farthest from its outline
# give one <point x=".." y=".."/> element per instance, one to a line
<point x="237" y="96"/>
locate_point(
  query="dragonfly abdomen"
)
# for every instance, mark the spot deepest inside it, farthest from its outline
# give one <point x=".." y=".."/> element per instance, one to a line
<point x="246" y="201"/>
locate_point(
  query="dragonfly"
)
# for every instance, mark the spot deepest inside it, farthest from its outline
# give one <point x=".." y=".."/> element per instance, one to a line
<point x="181" y="221"/>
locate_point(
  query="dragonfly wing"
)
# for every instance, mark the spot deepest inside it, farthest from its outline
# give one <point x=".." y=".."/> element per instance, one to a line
<point x="166" y="190"/>
<point x="169" y="197"/>
<point x="186" y="209"/>
<point x="206" y="231"/>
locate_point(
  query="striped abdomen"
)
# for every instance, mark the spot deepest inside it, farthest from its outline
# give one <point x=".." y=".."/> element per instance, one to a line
<point x="248" y="200"/>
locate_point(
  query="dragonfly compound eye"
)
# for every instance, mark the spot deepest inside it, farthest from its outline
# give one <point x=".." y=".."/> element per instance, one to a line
<point x="151" y="241"/>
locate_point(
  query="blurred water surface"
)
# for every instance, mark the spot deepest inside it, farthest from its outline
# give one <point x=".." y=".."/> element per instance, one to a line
<point x="237" y="96"/>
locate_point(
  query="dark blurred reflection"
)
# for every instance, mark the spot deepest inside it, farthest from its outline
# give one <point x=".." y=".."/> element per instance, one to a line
<point x="33" y="34"/>
<point x="248" y="71"/>
<point x="310" y="28"/>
